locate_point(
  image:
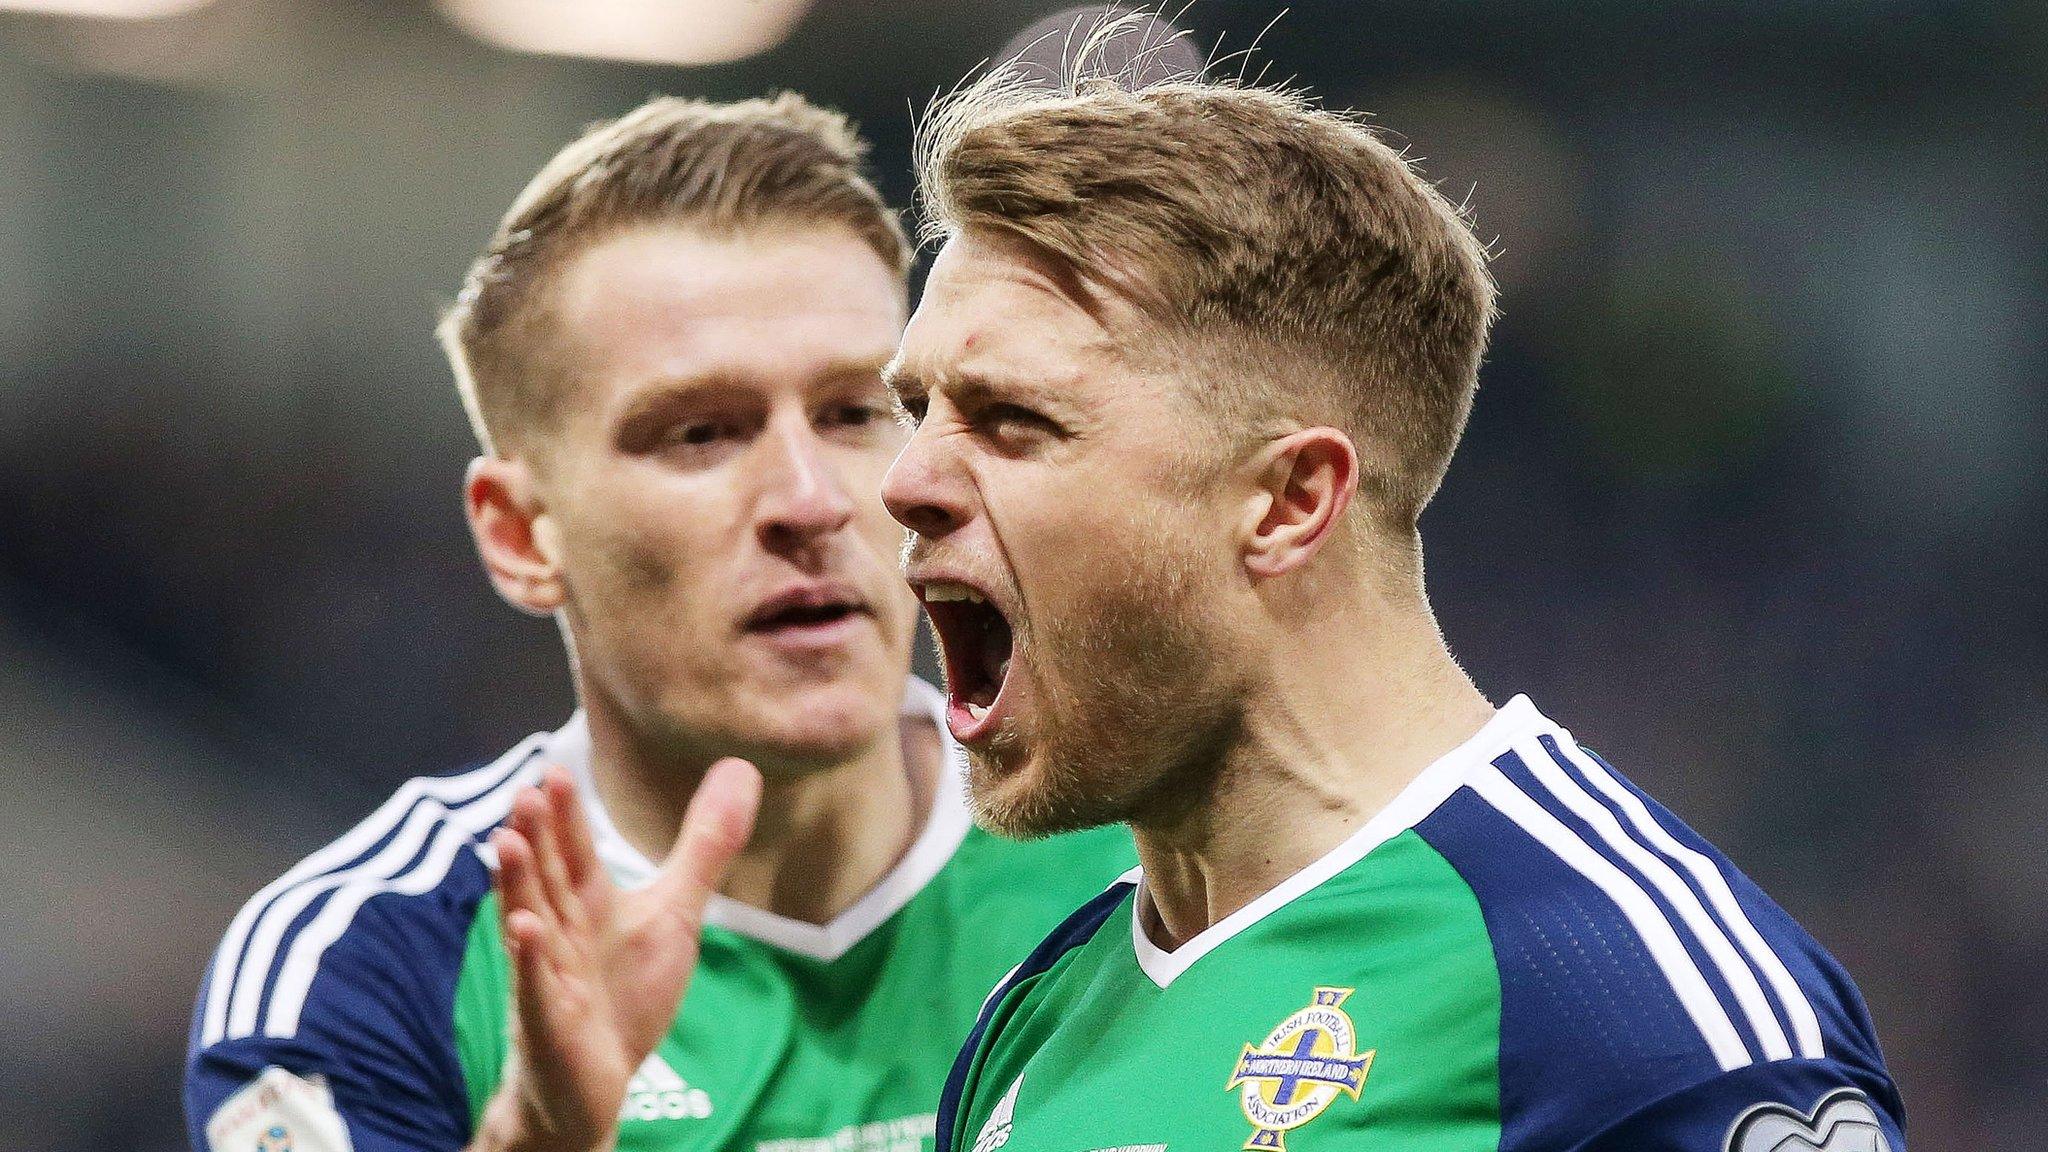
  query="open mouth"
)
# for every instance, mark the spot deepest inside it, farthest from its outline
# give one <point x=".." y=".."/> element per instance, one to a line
<point x="975" y="639"/>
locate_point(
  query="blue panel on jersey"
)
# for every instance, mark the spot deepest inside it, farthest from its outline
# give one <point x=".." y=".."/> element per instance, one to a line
<point x="378" y="1024"/>
<point x="1073" y="932"/>
<point x="1846" y="1029"/>
<point x="1590" y="1029"/>
<point x="1717" y="980"/>
<point x="393" y="824"/>
<point x="1671" y="824"/>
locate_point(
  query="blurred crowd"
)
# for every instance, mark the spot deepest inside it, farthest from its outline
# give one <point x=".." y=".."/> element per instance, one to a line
<point x="1754" y="497"/>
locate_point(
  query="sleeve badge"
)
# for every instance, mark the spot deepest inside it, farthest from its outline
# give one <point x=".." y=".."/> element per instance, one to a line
<point x="279" y="1112"/>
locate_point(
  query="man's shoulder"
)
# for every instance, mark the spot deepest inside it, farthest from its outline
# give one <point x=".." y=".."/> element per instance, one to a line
<point x="1042" y="989"/>
<point x="1634" y="958"/>
<point x="1011" y="1000"/>
<point x="332" y="992"/>
<point x="395" y="892"/>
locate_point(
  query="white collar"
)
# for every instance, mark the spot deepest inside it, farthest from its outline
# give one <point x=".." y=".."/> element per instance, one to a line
<point x="1415" y="802"/>
<point x="946" y="827"/>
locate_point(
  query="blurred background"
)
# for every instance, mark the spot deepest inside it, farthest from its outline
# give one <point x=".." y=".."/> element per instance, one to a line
<point x="1754" y="498"/>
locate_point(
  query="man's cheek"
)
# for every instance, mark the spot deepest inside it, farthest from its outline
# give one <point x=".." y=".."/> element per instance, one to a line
<point x="641" y="565"/>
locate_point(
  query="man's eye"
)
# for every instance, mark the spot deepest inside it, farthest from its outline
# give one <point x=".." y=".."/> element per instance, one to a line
<point x="854" y="415"/>
<point x="1016" y="418"/>
<point x="699" y="434"/>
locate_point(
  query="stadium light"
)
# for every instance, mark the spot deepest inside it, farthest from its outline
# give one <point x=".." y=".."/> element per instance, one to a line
<point x="106" y="9"/>
<point x="641" y="31"/>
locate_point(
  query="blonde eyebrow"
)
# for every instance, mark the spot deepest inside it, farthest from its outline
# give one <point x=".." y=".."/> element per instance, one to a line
<point x="857" y="366"/>
<point x="900" y="379"/>
<point x="719" y="376"/>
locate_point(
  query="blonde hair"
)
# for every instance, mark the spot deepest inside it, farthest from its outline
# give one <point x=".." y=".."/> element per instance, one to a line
<point x="1309" y="268"/>
<point x="721" y="168"/>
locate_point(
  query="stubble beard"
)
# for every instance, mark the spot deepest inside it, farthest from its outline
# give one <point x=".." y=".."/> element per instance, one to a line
<point x="1135" y="703"/>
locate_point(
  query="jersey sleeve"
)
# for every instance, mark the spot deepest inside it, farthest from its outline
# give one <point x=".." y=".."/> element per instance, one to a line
<point x="350" y="1045"/>
<point x="1792" y="1104"/>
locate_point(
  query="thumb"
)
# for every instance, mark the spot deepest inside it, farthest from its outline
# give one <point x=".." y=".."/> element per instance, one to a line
<point x="716" y="825"/>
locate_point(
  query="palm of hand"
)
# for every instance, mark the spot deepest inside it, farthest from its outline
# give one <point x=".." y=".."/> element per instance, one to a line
<point x="599" y="972"/>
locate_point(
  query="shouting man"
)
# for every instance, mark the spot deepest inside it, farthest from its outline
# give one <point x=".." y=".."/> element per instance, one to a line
<point x="1188" y="367"/>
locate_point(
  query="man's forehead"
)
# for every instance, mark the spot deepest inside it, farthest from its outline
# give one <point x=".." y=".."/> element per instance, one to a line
<point x="990" y="309"/>
<point x="671" y="303"/>
<point x="672" y="275"/>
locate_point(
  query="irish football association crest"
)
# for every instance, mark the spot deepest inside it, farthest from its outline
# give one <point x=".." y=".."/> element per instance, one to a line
<point x="1306" y="1062"/>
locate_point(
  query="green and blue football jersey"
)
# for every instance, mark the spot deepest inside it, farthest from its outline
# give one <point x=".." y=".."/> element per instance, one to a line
<point x="1524" y="952"/>
<point x="362" y="1001"/>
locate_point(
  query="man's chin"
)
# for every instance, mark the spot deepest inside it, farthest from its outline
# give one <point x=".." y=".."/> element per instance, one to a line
<point x="808" y="726"/>
<point x="1020" y="795"/>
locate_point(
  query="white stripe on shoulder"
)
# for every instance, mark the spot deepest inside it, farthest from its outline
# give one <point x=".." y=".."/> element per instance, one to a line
<point x="248" y="948"/>
<point x="1000" y="985"/>
<point x="1684" y="976"/>
<point x="456" y="829"/>
<point x="1805" y="1022"/>
<point x="282" y="914"/>
<point x="1734" y="971"/>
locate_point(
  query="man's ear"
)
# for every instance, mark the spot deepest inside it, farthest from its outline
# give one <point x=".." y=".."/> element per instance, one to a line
<point x="1302" y="483"/>
<point x="513" y="534"/>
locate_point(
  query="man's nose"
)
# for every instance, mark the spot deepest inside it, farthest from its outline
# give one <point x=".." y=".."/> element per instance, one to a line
<point x="802" y="497"/>
<point x="924" y="489"/>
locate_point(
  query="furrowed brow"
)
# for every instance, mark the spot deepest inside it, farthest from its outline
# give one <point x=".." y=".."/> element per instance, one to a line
<point x="973" y="388"/>
<point x="969" y="388"/>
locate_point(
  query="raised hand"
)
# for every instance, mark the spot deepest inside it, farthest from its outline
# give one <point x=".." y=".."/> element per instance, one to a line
<point x="598" y="972"/>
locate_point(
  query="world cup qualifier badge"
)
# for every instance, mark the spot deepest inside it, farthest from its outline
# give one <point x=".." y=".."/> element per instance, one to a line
<point x="1305" y="1063"/>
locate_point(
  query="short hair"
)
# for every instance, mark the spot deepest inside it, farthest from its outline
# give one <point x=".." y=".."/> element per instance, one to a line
<point x="1305" y="263"/>
<point x="719" y="168"/>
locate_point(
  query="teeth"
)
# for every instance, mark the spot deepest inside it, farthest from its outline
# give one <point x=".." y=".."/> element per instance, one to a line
<point x="943" y="592"/>
<point x="977" y="711"/>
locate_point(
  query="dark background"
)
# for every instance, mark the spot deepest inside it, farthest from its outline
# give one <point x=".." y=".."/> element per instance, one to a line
<point x="1754" y="498"/>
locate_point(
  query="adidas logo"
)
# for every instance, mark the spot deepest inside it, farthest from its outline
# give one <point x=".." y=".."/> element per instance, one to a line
<point x="656" y="1093"/>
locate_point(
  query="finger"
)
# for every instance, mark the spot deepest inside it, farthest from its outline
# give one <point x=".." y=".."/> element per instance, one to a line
<point x="716" y="826"/>
<point x="579" y="854"/>
<point x="531" y="811"/>
<point x="533" y="978"/>
<point x="517" y="886"/>
<point x="519" y="878"/>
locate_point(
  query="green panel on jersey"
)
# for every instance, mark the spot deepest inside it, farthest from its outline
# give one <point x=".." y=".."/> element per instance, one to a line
<point x="483" y="987"/>
<point x="1289" y="1035"/>
<point x="776" y="1051"/>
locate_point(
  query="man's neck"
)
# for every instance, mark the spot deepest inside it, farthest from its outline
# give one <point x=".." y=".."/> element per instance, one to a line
<point x="825" y="836"/>
<point x="1331" y="739"/>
